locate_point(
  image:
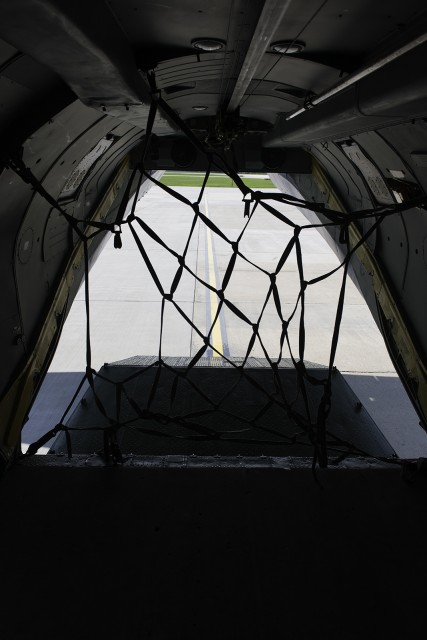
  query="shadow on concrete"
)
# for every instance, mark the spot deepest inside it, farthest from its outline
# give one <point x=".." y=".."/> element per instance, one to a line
<point x="383" y="397"/>
<point x="54" y="395"/>
<point x="386" y="401"/>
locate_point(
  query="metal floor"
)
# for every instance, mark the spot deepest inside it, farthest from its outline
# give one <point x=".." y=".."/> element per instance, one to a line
<point x="233" y="553"/>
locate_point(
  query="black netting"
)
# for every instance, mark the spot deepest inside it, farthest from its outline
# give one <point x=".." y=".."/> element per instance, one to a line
<point x="145" y="412"/>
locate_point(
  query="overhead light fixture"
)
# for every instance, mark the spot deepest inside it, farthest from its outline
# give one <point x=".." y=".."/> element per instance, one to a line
<point x="199" y="107"/>
<point x="288" y="47"/>
<point x="208" y="44"/>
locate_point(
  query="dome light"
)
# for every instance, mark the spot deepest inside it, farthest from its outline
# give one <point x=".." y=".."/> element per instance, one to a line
<point x="208" y="44"/>
<point x="288" y="47"/>
<point x="199" y="107"/>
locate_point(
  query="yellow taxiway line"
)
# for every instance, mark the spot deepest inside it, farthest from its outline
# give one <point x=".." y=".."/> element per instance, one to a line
<point x="216" y="335"/>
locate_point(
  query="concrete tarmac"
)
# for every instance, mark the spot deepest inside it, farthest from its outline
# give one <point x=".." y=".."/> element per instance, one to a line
<point x="125" y="306"/>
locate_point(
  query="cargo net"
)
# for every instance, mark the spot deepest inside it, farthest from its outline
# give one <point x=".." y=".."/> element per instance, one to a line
<point x="308" y="425"/>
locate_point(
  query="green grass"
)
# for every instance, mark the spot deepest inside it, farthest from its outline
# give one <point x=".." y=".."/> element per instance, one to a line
<point x="196" y="180"/>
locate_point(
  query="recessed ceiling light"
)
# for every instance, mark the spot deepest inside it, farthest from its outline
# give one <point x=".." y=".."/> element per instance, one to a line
<point x="288" y="47"/>
<point x="200" y="107"/>
<point x="208" y="44"/>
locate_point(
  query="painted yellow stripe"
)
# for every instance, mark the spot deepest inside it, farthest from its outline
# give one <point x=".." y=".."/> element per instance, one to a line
<point x="216" y="335"/>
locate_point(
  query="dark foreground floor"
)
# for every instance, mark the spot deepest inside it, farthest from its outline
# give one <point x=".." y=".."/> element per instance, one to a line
<point x="193" y="553"/>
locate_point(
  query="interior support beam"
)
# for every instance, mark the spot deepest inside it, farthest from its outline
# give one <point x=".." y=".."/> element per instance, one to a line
<point x="364" y="72"/>
<point x="271" y="16"/>
<point x="395" y="93"/>
<point x="83" y="45"/>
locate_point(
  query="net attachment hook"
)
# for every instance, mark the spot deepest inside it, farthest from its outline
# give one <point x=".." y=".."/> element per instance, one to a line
<point x="117" y="230"/>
